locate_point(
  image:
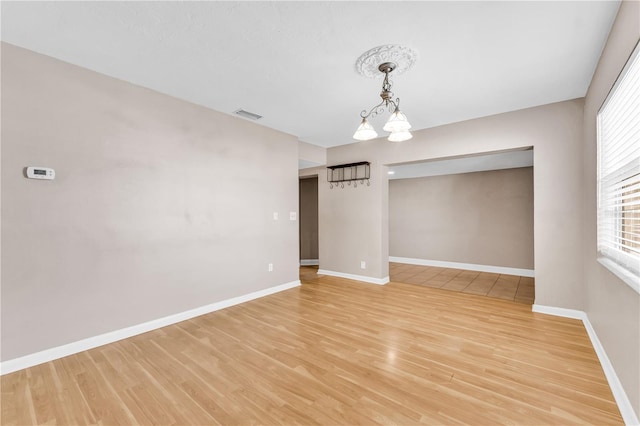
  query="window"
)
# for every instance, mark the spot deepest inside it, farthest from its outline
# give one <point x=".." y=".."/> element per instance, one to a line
<point x="619" y="175"/>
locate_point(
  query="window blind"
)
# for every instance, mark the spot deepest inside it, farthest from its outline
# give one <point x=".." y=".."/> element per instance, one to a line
<point x="618" y="124"/>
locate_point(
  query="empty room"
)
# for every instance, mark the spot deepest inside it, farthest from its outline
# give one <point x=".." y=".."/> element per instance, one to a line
<point x="320" y="213"/>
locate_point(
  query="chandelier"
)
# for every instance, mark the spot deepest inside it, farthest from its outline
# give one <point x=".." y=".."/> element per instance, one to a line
<point x="389" y="58"/>
<point x="397" y="124"/>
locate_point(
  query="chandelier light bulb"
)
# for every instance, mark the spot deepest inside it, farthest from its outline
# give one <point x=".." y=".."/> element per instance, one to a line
<point x="397" y="122"/>
<point x="401" y="136"/>
<point x="365" y="131"/>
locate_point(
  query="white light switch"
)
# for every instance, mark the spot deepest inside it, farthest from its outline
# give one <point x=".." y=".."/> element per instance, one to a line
<point x="363" y="264"/>
<point x="275" y="215"/>
<point x="293" y="215"/>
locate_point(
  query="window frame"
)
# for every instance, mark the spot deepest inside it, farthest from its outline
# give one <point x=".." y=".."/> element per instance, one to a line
<point x="625" y="265"/>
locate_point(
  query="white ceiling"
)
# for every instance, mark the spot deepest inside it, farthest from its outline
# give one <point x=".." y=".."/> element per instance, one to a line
<point x="293" y="62"/>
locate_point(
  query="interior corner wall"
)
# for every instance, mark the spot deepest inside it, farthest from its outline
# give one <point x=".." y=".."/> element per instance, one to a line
<point x="159" y="206"/>
<point x="312" y="153"/>
<point x="555" y="133"/>
<point x="481" y="218"/>
<point x="612" y="306"/>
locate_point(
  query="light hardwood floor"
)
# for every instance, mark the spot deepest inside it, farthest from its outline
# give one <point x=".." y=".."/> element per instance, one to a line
<point x="332" y="351"/>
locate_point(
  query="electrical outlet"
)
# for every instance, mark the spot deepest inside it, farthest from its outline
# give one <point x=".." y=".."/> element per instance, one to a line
<point x="363" y="264"/>
<point x="275" y="215"/>
<point x="292" y="216"/>
<point x="271" y="267"/>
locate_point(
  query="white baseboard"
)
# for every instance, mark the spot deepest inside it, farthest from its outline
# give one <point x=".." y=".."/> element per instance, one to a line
<point x="371" y="280"/>
<point x="466" y="266"/>
<point x="624" y="405"/>
<point x="309" y="262"/>
<point x="560" y="312"/>
<point x="47" y="355"/>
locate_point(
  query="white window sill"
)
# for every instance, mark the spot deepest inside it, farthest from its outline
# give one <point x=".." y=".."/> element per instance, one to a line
<point x="631" y="279"/>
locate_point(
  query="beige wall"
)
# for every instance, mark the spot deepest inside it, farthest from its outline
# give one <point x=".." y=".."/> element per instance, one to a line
<point x="312" y="153"/>
<point x="353" y="220"/>
<point x="312" y="171"/>
<point x="308" y="218"/>
<point x="612" y="306"/>
<point x="159" y="205"/>
<point x="483" y="218"/>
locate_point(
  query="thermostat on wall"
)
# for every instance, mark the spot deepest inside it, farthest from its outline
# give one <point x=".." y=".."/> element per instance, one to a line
<point x="41" y="173"/>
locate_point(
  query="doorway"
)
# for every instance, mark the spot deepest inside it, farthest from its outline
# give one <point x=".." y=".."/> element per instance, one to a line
<point x="308" y="208"/>
<point x="465" y="224"/>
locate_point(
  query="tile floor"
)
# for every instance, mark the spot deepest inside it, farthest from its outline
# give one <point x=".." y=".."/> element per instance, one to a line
<point x="501" y="286"/>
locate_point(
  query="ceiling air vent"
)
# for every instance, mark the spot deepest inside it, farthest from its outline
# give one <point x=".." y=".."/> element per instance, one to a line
<point x="247" y="114"/>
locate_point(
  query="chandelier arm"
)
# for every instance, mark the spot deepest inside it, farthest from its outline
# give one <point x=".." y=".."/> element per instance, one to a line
<point x="378" y="109"/>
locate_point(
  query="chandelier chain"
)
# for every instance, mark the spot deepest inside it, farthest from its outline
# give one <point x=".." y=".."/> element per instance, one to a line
<point x="386" y="84"/>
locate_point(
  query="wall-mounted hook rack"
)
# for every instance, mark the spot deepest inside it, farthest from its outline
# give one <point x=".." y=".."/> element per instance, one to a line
<point x="352" y="172"/>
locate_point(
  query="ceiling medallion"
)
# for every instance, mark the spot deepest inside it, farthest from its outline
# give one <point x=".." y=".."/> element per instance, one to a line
<point x="403" y="57"/>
